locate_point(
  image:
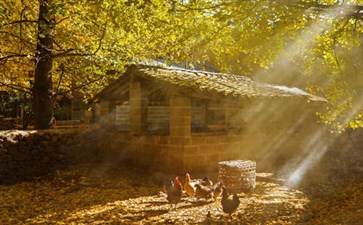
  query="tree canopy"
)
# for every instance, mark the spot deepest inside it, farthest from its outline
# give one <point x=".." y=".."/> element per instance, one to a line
<point x="313" y="44"/>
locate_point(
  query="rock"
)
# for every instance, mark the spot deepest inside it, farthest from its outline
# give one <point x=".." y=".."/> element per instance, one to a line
<point x="11" y="165"/>
<point x="45" y="159"/>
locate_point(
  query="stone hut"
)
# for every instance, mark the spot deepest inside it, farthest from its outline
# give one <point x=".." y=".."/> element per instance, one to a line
<point x="181" y="120"/>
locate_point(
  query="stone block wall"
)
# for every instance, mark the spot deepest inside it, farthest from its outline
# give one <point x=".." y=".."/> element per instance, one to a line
<point x="32" y="153"/>
<point x="199" y="152"/>
<point x="25" y="154"/>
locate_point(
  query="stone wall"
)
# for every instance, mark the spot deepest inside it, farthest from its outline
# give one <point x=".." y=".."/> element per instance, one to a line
<point x="201" y="152"/>
<point x="25" y="154"/>
<point x="198" y="152"/>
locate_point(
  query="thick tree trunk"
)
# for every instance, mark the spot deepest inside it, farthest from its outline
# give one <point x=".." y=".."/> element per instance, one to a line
<point x="42" y="89"/>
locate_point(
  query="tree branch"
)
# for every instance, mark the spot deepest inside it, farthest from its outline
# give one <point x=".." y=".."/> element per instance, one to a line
<point x="103" y="33"/>
<point x="59" y="83"/>
<point x="65" y="53"/>
<point x="21" y="21"/>
<point x="16" y="87"/>
<point x="336" y="56"/>
<point x="347" y="10"/>
<point x="18" y="37"/>
<point x="13" y="56"/>
<point x="188" y="8"/>
<point x="81" y="86"/>
<point x="65" y="18"/>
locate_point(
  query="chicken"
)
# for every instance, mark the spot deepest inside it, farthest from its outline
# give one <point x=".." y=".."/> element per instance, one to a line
<point x="206" y="182"/>
<point x="189" y="187"/>
<point x="229" y="202"/>
<point x="208" y="220"/>
<point x="203" y="192"/>
<point x="174" y="191"/>
<point x="217" y="190"/>
<point x="167" y="184"/>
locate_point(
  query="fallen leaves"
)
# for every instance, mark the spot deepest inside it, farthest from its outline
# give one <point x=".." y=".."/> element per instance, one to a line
<point x="88" y="194"/>
<point x="340" y="203"/>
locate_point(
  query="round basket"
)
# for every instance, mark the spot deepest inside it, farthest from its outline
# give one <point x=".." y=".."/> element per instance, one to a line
<point x="238" y="175"/>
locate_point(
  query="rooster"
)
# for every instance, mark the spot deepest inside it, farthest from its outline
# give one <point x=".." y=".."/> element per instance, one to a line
<point x="229" y="202"/>
<point x="167" y="184"/>
<point x="174" y="191"/>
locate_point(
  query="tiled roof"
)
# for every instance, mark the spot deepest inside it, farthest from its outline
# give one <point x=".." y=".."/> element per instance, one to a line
<point x="225" y="84"/>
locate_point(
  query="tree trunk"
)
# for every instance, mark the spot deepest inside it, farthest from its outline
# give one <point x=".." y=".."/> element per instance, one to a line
<point x="42" y="89"/>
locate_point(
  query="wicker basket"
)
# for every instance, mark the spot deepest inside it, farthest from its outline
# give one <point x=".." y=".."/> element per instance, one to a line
<point x="238" y="175"/>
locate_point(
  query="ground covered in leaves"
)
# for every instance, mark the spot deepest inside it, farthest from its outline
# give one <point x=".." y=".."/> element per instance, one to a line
<point x="114" y="195"/>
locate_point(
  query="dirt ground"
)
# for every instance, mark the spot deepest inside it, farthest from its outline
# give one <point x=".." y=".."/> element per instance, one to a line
<point x="99" y="194"/>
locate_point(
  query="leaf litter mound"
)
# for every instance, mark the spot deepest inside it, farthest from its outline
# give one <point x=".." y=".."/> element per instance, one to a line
<point x="91" y="194"/>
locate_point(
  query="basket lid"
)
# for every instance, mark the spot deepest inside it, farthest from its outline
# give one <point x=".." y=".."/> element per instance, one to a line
<point x="237" y="163"/>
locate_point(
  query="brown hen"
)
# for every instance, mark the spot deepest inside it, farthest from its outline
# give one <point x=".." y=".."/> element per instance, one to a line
<point x="189" y="187"/>
<point x="203" y="192"/>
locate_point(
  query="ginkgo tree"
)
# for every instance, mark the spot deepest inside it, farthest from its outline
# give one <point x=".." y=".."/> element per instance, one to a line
<point x="49" y="47"/>
<point x="30" y="46"/>
<point x="317" y="42"/>
<point x="54" y="47"/>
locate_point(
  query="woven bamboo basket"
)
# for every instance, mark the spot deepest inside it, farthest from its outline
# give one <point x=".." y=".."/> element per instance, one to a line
<point x="238" y="175"/>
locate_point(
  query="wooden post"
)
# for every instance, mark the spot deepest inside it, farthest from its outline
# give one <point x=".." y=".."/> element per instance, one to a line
<point x="104" y="113"/>
<point x="203" y="115"/>
<point x="138" y="108"/>
<point x="180" y="116"/>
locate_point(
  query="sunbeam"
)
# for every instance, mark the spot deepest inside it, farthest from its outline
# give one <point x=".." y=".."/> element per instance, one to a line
<point x="317" y="145"/>
<point x="284" y="67"/>
<point x="315" y="142"/>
